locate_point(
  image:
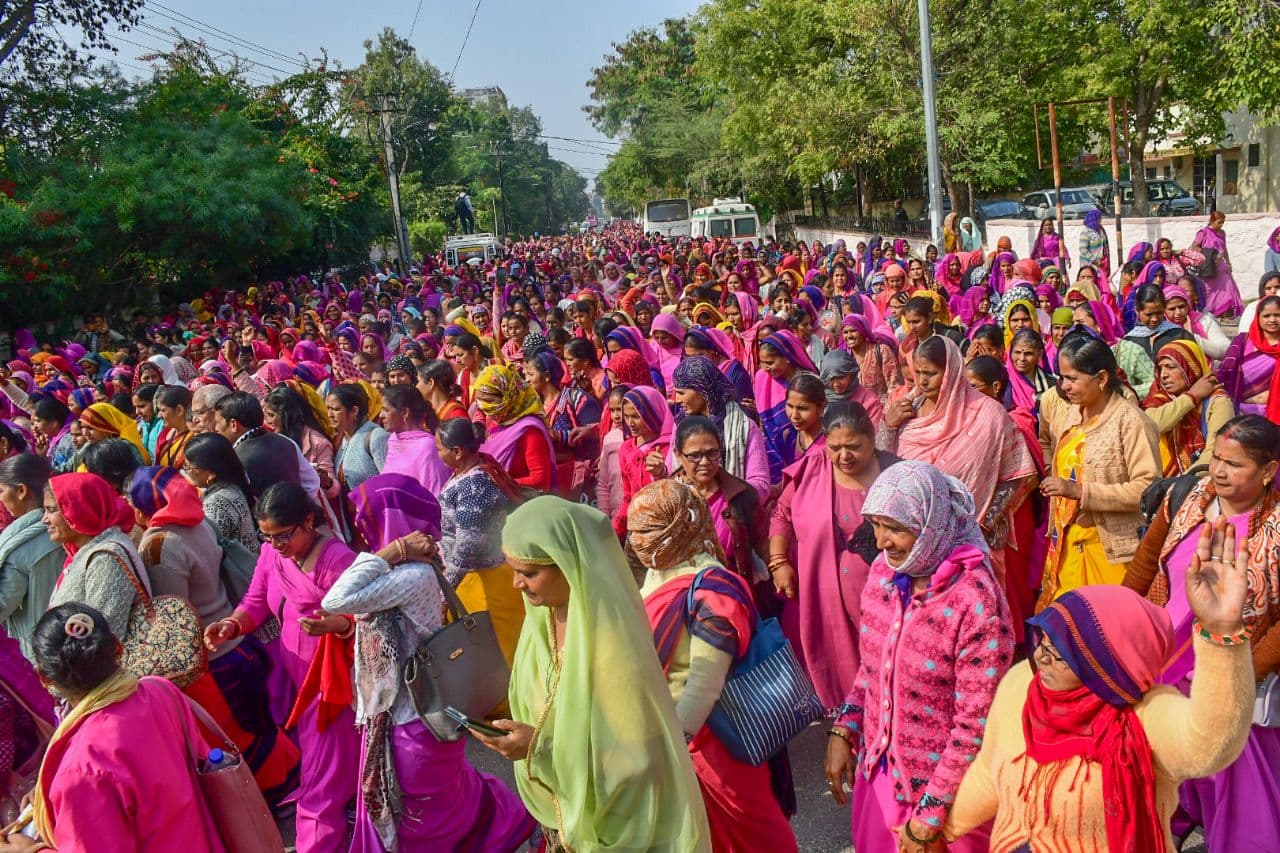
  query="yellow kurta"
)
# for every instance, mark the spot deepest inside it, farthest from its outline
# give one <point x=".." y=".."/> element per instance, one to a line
<point x="1076" y="556"/>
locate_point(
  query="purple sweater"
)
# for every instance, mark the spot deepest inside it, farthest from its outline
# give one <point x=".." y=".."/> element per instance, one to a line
<point x="921" y="697"/>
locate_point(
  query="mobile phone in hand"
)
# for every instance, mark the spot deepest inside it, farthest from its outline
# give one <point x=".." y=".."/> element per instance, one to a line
<point x="465" y="722"/>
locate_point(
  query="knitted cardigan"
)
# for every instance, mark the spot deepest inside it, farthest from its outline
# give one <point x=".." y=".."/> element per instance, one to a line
<point x="926" y="680"/>
<point x="1121" y="458"/>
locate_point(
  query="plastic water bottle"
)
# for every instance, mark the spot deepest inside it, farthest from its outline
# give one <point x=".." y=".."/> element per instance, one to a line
<point x="216" y="757"/>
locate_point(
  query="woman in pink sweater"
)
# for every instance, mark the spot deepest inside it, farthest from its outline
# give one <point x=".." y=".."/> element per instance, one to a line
<point x="935" y="640"/>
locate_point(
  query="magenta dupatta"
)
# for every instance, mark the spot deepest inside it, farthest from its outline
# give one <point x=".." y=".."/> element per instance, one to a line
<point x="501" y="443"/>
<point x="828" y="639"/>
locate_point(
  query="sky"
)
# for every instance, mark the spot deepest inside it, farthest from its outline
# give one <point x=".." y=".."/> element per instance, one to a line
<point x="539" y="53"/>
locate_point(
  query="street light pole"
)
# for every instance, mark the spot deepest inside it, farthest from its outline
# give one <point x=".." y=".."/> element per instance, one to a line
<point x="930" y="125"/>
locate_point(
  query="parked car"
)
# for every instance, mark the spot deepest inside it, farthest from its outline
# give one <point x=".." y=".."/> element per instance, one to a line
<point x="1076" y="202"/>
<point x="1001" y="208"/>
<point x="1167" y="198"/>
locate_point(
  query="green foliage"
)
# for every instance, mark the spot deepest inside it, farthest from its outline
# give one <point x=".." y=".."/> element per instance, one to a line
<point x="652" y="90"/>
<point x="114" y="193"/>
<point x="426" y="237"/>
<point x="783" y="95"/>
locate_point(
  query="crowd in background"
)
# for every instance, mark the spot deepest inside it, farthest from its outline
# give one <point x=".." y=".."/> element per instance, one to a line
<point x="1017" y="518"/>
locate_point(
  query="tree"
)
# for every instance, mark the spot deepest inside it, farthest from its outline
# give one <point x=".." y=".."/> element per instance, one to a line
<point x="394" y="78"/>
<point x="33" y="33"/>
<point x="810" y="97"/>
<point x="1181" y="64"/>
<point x="652" y="92"/>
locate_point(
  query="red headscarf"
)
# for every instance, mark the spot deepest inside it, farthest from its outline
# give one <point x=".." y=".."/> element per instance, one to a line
<point x="89" y="506"/>
<point x="1260" y="343"/>
<point x="630" y="368"/>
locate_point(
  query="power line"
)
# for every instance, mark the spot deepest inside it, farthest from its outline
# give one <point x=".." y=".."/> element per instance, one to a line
<point x="214" y="49"/>
<point x="202" y="25"/>
<point x="579" y="151"/>
<point x="465" y="39"/>
<point x="414" y="25"/>
<point x="165" y="51"/>
<point x="576" y="139"/>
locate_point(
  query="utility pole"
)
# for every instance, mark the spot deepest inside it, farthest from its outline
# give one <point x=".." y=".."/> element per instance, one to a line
<point x="930" y="125"/>
<point x="502" y="188"/>
<point x="1115" y="177"/>
<point x="402" y="233"/>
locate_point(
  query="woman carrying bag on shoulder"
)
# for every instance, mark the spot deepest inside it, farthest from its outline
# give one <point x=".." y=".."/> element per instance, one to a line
<point x="416" y="792"/>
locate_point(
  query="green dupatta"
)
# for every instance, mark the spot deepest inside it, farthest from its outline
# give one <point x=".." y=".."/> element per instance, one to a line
<point x="608" y="766"/>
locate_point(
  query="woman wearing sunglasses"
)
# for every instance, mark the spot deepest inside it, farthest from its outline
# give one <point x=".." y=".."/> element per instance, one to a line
<point x="298" y="563"/>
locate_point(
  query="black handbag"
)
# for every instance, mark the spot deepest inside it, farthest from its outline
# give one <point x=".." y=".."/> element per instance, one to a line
<point x="460" y="666"/>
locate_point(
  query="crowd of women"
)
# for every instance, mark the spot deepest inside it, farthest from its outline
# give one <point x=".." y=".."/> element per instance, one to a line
<point x="1018" y="524"/>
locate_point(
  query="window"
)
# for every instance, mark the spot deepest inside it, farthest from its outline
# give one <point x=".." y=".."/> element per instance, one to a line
<point x="1230" y="176"/>
<point x="721" y="227"/>
<point x="672" y="210"/>
<point x="1255" y="154"/>
<point x="1151" y="173"/>
<point x="744" y="226"/>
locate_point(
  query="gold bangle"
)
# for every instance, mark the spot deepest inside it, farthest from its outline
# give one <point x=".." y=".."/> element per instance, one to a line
<point x="345" y="635"/>
<point x="842" y="733"/>
<point x="404" y="552"/>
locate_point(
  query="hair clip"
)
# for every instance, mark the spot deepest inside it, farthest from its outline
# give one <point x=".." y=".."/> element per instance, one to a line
<point x="79" y="625"/>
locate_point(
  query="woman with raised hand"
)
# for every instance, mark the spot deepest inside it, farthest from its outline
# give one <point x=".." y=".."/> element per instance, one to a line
<point x="1082" y="749"/>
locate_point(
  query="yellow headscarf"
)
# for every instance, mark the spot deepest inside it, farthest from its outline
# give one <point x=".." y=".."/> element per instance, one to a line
<point x="503" y="395"/>
<point x="607" y="744"/>
<point x="1008" y="332"/>
<point x="703" y="307"/>
<point x="109" y="419"/>
<point x="941" y="310"/>
<point x="316" y="404"/>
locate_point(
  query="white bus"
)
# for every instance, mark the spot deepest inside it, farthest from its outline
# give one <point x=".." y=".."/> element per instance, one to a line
<point x="727" y="217"/>
<point x="668" y="216"/>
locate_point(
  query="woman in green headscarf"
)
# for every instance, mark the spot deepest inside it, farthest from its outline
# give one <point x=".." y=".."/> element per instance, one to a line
<point x="600" y="760"/>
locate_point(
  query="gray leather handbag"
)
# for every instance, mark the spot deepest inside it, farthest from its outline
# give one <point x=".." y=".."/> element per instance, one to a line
<point x="459" y="666"/>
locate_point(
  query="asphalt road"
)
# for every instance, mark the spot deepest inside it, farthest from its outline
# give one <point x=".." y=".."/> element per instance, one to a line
<point x="821" y="826"/>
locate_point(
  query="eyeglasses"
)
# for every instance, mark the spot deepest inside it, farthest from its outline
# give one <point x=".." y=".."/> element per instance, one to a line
<point x="280" y="538"/>
<point x="1047" y="654"/>
<point x="699" y="456"/>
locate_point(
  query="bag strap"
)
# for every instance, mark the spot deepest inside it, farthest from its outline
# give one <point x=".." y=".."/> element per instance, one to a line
<point x="456" y="608"/>
<point x="228" y="745"/>
<point x="143" y="595"/>
<point x="735" y="595"/>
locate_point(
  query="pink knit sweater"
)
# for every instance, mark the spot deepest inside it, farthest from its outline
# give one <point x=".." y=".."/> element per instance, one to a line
<point x="927" y="678"/>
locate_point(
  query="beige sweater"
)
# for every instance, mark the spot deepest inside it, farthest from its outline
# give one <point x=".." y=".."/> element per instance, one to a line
<point x="1121" y="458"/>
<point x="1189" y="737"/>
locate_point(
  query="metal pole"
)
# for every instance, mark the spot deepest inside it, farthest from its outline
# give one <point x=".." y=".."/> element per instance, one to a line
<point x="930" y="125"/>
<point x="1115" y="176"/>
<point x="402" y="239"/>
<point x="1057" y="188"/>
